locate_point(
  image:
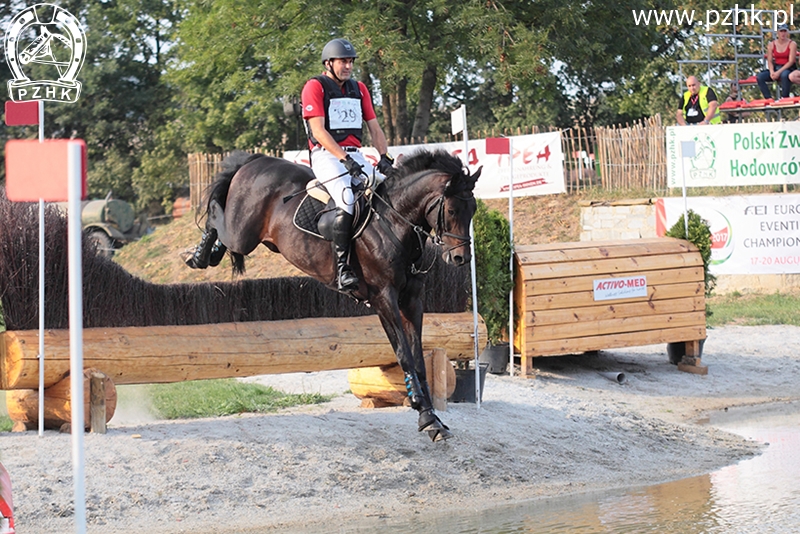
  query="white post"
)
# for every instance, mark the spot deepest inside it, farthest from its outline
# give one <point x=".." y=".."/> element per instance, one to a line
<point x="511" y="257"/>
<point x="687" y="151"/>
<point x="75" y="190"/>
<point x="41" y="288"/>
<point x="474" y="279"/>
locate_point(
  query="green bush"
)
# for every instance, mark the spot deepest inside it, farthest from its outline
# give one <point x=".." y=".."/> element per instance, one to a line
<point x="699" y="236"/>
<point x="492" y="255"/>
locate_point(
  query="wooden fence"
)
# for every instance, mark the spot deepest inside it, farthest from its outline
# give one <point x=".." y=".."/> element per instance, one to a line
<point x="616" y="157"/>
<point x="203" y="168"/>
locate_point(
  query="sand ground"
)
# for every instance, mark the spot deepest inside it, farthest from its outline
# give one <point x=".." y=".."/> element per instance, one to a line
<point x="569" y="430"/>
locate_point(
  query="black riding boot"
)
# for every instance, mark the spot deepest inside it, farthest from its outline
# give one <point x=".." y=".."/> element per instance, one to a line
<point x="342" y="224"/>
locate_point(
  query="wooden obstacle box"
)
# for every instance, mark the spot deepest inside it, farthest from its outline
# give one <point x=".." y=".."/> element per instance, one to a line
<point x="579" y="297"/>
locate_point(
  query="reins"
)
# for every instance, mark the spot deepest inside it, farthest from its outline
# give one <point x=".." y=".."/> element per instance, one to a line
<point x="436" y="237"/>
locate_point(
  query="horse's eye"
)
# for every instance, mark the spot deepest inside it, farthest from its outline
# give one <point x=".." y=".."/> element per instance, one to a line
<point x="451" y="212"/>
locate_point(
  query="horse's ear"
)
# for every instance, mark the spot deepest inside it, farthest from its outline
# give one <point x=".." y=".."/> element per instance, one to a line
<point x="474" y="177"/>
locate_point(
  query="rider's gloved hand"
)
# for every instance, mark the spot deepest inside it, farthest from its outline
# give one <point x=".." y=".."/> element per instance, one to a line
<point x="352" y="166"/>
<point x="386" y="164"/>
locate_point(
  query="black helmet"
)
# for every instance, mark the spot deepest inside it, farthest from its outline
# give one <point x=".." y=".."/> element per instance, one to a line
<point x="338" y="48"/>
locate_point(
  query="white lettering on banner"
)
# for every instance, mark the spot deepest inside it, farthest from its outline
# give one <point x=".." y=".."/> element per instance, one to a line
<point x="620" y="288"/>
<point x="344" y="113"/>
<point x="735" y="154"/>
<point x="757" y="234"/>
<point x="538" y="164"/>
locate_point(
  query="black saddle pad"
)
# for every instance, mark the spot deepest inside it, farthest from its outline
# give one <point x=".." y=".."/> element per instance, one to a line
<point x="310" y="209"/>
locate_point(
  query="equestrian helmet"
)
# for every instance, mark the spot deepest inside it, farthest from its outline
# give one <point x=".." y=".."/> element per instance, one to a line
<point x="338" y="48"/>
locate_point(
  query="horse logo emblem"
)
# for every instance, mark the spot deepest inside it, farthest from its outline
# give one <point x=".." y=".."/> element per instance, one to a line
<point x="45" y="48"/>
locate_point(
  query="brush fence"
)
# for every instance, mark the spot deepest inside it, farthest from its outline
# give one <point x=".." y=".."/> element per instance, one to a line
<point x="587" y="296"/>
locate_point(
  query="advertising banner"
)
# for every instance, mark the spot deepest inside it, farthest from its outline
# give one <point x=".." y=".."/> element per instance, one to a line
<point x="538" y="164"/>
<point x="757" y="234"/>
<point x="765" y="153"/>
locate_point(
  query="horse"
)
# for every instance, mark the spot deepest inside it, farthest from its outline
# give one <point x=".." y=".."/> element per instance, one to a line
<point x="428" y="195"/>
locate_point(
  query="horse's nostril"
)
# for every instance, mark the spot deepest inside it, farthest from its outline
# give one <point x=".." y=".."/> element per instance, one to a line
<point x="458" y="260"/>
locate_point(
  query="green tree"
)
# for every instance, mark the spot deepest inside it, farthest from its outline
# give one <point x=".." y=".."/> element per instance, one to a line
<point x="123" y="100"/>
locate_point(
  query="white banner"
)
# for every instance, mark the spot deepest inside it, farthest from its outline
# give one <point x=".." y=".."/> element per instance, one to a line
<point x="538" y="164"/>
<point x="757" y="234"/>
<point x="766" y="153"/>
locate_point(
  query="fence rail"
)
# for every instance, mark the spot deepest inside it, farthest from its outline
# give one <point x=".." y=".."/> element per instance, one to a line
<point x="615" y="157"/>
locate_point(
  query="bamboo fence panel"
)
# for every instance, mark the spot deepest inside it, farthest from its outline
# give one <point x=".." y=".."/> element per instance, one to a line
<point x="633" y="156"/>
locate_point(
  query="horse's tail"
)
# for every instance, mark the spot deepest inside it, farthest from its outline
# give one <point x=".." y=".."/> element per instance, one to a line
<point x="237" y="262"/>
<point x="218" y="190"/>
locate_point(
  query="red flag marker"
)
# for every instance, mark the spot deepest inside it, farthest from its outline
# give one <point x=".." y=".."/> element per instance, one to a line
<point x="22" y="113"/>
<point x="497" y="145"/>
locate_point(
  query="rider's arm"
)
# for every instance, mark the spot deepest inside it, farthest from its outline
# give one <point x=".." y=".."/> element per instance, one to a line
<point x="377" y="136"/>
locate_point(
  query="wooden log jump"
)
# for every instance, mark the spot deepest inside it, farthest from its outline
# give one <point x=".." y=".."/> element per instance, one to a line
<point x="23" y="404"/>
<point x="161" y="354"/>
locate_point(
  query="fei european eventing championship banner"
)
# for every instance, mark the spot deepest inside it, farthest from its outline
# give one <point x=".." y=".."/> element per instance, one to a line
<point x="735" y="154"/>
<point x="757" y="234"/>
<point x="537" y="169"/>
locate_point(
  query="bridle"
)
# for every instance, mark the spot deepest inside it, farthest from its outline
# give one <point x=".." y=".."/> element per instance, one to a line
<point x="438" y="231"/>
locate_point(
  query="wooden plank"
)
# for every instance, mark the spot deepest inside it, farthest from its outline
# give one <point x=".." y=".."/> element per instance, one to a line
<point x="594" y="244"/>
<point x="549" y="286"/>
<point x="631" y="339"/>
<point x="143" y="355"/>
<point x="634" y="248"/>
<point x="581" y="299"/>
<point x="604" y="268"/>
<point x="604" y="310"/>
<point x="534" y="334"/>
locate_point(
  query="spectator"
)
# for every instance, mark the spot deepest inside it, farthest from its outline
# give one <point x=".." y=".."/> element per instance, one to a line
<point x="698" y="105"/>
<point x="781" y="55"/>
<point x="733" y="96"/>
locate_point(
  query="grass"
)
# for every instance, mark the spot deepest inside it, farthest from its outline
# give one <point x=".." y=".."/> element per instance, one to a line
<point x="753" y="310"/>
<point x="213" y="398"/>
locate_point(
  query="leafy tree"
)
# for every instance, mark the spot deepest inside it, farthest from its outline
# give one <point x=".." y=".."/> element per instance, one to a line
<point x="123" y="99"/>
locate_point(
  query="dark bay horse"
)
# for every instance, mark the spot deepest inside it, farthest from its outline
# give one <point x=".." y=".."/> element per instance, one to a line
<point x="430" y="194"/>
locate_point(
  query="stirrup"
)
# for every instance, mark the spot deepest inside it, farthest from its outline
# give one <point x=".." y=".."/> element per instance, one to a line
<point x="346" y="279"/>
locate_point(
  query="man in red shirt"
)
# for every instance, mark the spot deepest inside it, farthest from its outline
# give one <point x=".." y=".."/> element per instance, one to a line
<point x="334" y="108"/>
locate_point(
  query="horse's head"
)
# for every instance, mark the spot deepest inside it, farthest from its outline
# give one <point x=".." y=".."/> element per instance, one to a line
<point x="456" y="208"/>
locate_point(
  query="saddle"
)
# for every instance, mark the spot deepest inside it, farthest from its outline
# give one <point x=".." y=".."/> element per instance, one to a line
<point x="316" y="211"/>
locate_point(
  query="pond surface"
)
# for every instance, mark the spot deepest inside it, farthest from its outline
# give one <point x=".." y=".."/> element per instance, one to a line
<point x="761" y="494"/>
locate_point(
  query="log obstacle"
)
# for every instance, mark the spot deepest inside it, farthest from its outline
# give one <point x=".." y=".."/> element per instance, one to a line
<point x="161" y="354"/>
<point x="561" y="309"/>
<point x="383" y="386"/>
<point x="23" y="404"/>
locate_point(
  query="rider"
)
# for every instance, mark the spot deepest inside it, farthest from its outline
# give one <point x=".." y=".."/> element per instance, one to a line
<point x="334" y="106"/>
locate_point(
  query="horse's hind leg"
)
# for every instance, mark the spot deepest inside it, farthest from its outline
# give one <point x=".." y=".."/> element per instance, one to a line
<point x="210" y="250"/>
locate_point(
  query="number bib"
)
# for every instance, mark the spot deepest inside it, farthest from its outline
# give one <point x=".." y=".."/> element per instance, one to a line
<point x="344" y="113"/>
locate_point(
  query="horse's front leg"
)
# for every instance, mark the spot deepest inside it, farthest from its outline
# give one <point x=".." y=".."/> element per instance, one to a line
<point x="396" y="325"/>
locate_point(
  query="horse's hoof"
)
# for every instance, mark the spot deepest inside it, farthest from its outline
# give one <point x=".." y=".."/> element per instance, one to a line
<point x="429" y="422"/>
<point x="440" y="434"/>
<point x="190" y="259"/>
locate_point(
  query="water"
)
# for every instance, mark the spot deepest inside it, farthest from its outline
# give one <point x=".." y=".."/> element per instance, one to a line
<point x="757" y="495"/>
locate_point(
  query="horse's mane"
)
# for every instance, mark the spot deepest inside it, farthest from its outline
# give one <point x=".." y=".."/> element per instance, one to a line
<point x="424" y="159"/>
<point x="434" y="160"/>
